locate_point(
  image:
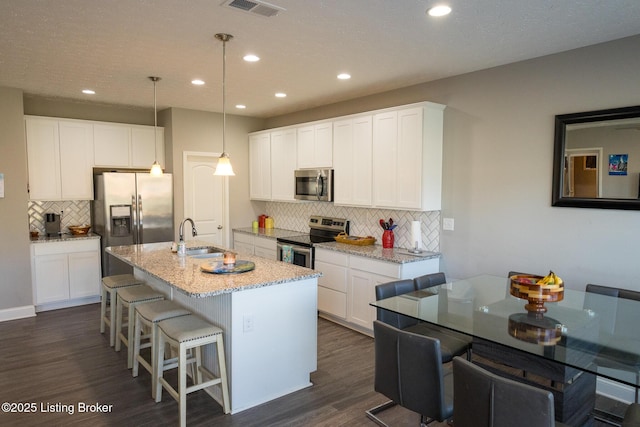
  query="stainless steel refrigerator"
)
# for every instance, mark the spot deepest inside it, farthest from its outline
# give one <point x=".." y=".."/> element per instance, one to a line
<point x="130" y="208"/>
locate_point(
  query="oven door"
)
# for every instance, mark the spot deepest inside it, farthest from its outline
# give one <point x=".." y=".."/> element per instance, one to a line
<point x="301" y="255"/>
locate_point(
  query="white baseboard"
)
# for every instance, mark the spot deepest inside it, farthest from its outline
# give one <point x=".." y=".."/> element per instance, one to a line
<point x="67" y="303"/>
<point x="614" y="390"/>
<point x="15" y="313"/>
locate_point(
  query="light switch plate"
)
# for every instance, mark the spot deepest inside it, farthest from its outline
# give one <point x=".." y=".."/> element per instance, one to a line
<point x="447" y="224"/>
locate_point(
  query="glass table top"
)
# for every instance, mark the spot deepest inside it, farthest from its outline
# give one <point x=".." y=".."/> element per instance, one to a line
<point x="591" y="332"/>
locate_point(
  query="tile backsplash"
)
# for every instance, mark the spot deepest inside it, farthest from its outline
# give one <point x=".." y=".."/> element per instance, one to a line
<point x="363" y="222"/>
<point x="73" y="213"/>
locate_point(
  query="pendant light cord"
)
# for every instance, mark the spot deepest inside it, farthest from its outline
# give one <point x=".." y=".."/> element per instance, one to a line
<point x="224" y="93"/>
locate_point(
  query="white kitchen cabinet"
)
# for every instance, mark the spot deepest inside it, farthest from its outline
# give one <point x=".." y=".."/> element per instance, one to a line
<point x="407" y="158"/>
<point x="283" y="164"/>
<point x="352" y="166"/>
<point x="260" y="166"/>
<point x="124" y="145"/>
<point x="146" y="147"/>
<point x="243" y="242"/>
<point x="255" y="245"/>
<point x="59" y="158"/>
<point x="65" y="273"/>
<point x="265" y="247"/>
<point x="332" y="285"/>
<point x="348" y="283"/>
<point x="315" y="146"/>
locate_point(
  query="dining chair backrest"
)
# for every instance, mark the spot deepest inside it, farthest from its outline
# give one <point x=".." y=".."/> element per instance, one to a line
<point x="429" y="280"/>
<point x="392" y="289"/>
<point x="621" y="317"/>
<point x="483" y="399"/>
<point x="408" y="370"/>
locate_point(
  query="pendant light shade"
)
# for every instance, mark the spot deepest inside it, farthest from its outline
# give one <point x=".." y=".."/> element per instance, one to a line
<point x="156" y="169"/>
<point x="223" y="167"/>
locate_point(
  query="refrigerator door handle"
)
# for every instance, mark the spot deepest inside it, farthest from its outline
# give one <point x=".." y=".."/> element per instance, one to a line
<point x="140" y="222"/>
<point x="134" y="214"/>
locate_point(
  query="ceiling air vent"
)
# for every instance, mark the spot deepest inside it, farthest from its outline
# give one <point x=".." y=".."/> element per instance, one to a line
<point x="255" y="7"/>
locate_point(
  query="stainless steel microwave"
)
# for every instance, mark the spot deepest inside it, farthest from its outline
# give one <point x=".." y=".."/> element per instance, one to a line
<point x="314" y="184"/>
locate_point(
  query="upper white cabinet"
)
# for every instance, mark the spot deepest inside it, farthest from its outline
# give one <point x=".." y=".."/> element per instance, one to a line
<point x="272" y="162"/>
<point x="352" y="155"/>
<point x="315" y="146"/>
<point x="60" y="159"/>
<point x="283" y="164"/>
<point x="407" y="158"/>
<point x="389" y="158"/>
<point x="123" y="145"/>
<point x="260" y="166"/>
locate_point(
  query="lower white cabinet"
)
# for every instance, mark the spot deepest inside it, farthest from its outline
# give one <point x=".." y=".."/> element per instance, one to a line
<point x="348" y="284"/>
<point x="255" y="245"/>
<point x="65" y="273"/>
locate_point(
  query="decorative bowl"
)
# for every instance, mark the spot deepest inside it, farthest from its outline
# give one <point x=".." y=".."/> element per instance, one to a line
<point x="78" y="230"/>
<point x="526" y="286"/>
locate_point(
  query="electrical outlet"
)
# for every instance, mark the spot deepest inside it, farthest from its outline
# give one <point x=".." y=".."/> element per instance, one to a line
<point x="447" y="224"/>
<point x="247" y="323"/>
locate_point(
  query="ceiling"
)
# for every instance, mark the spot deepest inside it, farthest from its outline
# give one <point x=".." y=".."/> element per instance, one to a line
<point x="57" y="48"/>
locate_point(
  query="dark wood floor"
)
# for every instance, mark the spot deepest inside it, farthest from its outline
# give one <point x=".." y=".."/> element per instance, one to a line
<point x="60" y="358"/>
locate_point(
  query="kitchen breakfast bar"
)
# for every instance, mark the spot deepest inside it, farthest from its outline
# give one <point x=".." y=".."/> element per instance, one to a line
<point x="268" y="315"/>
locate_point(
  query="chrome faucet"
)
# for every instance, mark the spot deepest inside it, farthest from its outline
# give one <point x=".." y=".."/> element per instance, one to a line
<point x="194" y="232"/>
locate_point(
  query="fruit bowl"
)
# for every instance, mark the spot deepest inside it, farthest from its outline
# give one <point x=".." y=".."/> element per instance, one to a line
<point x="537" y="290"/>
<point x="78" y="230"/>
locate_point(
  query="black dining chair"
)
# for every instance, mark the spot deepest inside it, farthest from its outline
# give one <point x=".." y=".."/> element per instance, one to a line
<point x="450" y="344"/>
<point x="484" y="399"/>
<point x="455" y="342"/>
<point x="621" y="319"/>
<point x="408" y="371"/>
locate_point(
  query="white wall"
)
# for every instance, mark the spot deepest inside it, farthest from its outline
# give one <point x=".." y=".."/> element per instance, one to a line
<point x="498" y="153"/>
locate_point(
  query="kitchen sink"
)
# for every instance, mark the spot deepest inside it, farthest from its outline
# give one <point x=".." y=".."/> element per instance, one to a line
<point x="205" y="252"/>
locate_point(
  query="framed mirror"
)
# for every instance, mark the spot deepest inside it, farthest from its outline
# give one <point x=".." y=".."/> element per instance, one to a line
<point x="596" y="159"/>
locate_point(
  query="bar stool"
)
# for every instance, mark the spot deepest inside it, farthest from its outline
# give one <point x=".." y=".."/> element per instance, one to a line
<point x="129" y="298"/>
<point x="110" y="286"/>
<point x="149" y="315"/>
<point x="186" y="333"/>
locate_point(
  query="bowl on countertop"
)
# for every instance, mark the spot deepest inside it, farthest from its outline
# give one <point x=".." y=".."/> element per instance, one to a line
<point x="79" y="230"/>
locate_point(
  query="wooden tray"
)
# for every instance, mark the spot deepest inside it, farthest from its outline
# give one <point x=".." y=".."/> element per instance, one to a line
<point x="355" y="240"/>
<point x="217" y="267"/>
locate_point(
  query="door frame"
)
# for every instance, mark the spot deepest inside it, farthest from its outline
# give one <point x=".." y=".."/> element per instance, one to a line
<point x="580" y="152"/>
<point x="226" y="234"/>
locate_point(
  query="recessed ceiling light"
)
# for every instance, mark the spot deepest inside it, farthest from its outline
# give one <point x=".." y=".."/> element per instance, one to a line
<point x="197" y="82"/>
<point x="88" y="92"/>
<point x="281" y="95"/>
<point x="251" y="58"/>
<point x="344" y="76"/>
<point x="440" y="10"/>
<point x="241" y="107"/>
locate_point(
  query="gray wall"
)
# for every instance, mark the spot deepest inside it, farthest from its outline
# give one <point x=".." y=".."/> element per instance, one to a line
<point x="15" y="265"/>
<point x="202" y="131"/>
<point x="498" y="152"/>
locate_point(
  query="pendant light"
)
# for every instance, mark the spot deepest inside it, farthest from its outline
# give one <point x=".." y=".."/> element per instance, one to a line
<point x="156" y="169"/>
<point x="223" y="168"/>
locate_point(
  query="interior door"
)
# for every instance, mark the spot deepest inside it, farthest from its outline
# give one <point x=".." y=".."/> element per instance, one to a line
<point x="205" y="199"/>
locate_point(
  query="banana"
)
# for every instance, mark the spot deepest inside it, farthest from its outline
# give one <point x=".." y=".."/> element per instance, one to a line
<point x="549" y="279"/>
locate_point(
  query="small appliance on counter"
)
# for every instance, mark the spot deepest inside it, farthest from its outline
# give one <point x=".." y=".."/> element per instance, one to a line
<point x="52" y="224"/>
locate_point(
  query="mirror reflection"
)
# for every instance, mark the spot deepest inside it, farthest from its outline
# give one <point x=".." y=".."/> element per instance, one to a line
<point x="597" y="159"/>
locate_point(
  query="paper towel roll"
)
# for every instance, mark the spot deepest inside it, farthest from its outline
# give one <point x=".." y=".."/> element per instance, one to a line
<point x="416" y="235"/>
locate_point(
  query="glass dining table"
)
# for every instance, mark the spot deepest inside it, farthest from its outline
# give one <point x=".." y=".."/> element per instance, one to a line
<point x="564" y="349"/>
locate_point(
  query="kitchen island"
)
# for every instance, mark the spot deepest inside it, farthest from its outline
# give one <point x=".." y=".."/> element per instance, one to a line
<point x="268" y="315"/>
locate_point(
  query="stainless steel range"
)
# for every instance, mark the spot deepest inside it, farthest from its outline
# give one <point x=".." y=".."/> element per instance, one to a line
<point x="321" y="229"/>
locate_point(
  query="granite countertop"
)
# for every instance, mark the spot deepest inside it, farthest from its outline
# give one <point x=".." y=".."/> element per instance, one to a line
<point x="272" y="233"/>
<point x="64" y="237"/>
<point x="184" y="274"/>
<point x="395" y="255"/>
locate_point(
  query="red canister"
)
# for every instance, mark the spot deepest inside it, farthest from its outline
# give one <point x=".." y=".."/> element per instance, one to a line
<point x="261" y="219"/>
